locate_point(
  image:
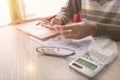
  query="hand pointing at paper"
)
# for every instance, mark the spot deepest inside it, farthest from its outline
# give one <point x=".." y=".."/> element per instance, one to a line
<point x="77" y="30"/>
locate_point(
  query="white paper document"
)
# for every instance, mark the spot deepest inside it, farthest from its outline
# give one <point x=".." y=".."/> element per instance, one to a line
<point x="79" y="46"/>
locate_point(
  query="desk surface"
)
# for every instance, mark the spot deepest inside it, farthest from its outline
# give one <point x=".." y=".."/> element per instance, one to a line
<point x="20" y="61"/>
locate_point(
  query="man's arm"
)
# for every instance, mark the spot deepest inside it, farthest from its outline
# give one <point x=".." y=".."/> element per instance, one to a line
<point x="67" y="12"/>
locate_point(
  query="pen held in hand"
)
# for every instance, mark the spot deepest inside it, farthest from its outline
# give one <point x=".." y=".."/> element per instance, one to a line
<point x="66" y="31"/>
<point x="50" y="26"/>
<point x="45" y="24"/>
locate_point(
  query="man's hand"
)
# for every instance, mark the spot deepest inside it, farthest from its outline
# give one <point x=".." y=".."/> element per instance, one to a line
<point x="47" y="19"/>
<point x="76" y="30"/>
<point x="50" y="21"/>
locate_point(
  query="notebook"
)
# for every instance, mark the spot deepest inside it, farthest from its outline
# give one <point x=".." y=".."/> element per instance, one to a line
<point x="38" y="31"/>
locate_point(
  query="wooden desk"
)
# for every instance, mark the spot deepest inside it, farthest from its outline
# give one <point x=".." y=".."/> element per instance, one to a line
<point x="20" y="61"/>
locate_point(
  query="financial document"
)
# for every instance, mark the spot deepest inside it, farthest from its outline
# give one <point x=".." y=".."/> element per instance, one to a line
<point x="79" y="46"/>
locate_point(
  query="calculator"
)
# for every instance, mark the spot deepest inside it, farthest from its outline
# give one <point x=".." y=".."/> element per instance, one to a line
<point x="93" y="61"/>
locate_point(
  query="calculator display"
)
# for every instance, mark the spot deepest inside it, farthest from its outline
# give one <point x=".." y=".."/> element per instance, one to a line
<point x="86" y="64"/>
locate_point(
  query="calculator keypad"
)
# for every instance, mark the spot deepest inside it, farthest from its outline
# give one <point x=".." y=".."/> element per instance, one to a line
<point x="95" y="56"/>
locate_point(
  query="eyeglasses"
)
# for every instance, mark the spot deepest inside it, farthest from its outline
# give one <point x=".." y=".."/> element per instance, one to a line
<point x="55" y="51"/>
